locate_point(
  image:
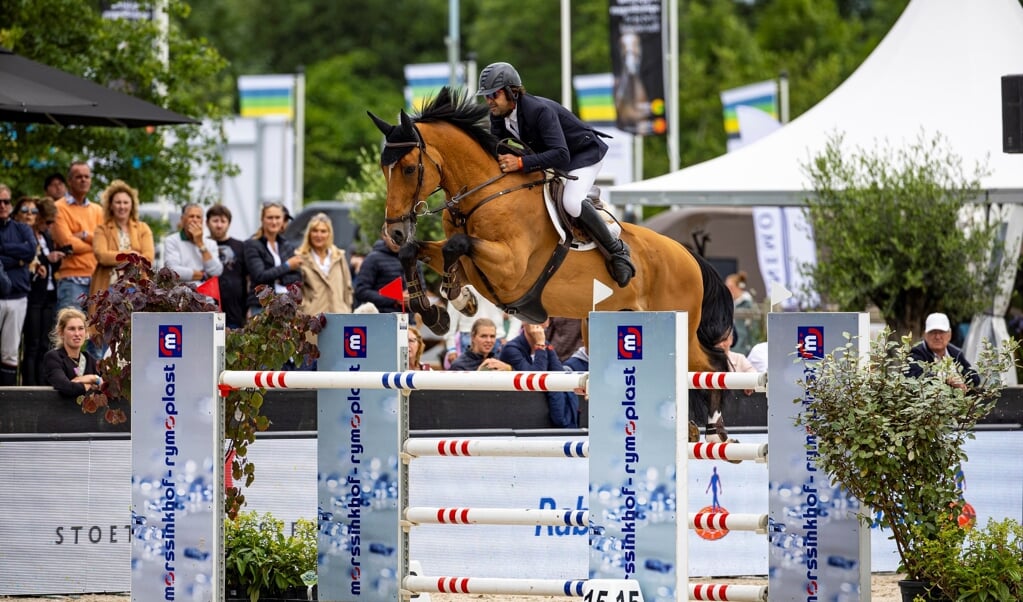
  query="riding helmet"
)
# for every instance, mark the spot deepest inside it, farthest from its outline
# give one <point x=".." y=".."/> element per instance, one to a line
<point x="496" y="76"/>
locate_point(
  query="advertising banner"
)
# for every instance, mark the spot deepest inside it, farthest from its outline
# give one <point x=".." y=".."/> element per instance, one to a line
<point x="818" y="549"/>
<point x="177" y="463"/>
<point x="357" y="460"/>
<point x="637" y="59"/>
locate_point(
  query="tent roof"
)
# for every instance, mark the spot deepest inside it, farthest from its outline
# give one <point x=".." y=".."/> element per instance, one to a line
<point x="939" y="69"/>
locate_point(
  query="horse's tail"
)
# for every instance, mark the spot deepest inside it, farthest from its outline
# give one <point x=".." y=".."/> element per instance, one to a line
<point x="716" y="315"/>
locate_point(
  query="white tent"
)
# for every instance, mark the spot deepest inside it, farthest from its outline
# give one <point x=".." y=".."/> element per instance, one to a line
<point x="939" y="69"/>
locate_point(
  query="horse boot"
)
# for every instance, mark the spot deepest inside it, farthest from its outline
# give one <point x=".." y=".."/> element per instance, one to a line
<point x="619" y="265"/>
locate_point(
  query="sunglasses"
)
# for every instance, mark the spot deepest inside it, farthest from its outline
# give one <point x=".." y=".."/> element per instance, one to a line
<point x="492" y="95"/>
<point x="28" y="210"/>
<point x="5" y="201"/>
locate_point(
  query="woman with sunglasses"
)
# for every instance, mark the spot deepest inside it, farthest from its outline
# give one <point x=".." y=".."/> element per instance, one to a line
<point x="17" y="250"/>
<point x="42" y="298"/>
<point x="558" y="140"/>
<point x="25" y="211"/>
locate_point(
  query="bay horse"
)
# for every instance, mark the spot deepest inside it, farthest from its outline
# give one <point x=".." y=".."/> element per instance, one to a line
<point x="501" y="238"/>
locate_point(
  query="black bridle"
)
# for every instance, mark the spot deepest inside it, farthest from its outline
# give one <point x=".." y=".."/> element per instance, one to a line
<point x="451" y="203"/>
<point x="417" y="202"/>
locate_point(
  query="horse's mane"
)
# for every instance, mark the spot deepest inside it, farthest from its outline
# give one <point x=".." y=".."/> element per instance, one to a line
<point x="456" y="108"/>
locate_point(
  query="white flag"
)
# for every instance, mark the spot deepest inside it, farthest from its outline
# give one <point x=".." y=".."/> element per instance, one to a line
<point x="601" y="291"/>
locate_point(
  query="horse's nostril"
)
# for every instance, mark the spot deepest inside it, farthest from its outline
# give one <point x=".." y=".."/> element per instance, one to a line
<point x="397" y="236"/>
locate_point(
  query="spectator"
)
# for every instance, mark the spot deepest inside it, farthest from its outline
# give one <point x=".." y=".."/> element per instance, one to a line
<point x="415" y="350"/>
<point x="42" y="297"/>
<point x="737" y="362"/>
<point x="121" y="233"/>
<point x="68" y="367"/>
<point x="191" y="256"/>
<point x="579" y="361"/>
<point x="73" y="230"/>
<point x="565" y="335"/>
<point x="326" y="280"/>
<point x="270" y="258"/>
<point x="380" y="267"/>
<point x="480" y="354"/>
<point x="231" y="253"/>
<point x="935" y="347"/>
<point x="17" y="252"/>
<point x="26" y="211"/>
<point x="757" y="357"/>
<point x="529" y="351"/>
<point x="458" y="336"/>
<point x="742" y="299"/>
<point x="55" y="186"/>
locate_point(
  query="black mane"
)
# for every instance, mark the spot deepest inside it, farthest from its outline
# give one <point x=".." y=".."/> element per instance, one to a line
<point x="458" y="110"/>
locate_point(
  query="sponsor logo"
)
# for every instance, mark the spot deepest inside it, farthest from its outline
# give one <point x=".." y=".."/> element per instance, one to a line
<point x="810" y="342"/>
<point x="170" y="340"/>
<point x="355" y="341"/>
<point x="630" y="342"/>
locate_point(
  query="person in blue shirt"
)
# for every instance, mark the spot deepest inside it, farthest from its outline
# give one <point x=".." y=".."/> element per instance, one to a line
<point x="530" y="352"/>
<point x="936" y="346"/>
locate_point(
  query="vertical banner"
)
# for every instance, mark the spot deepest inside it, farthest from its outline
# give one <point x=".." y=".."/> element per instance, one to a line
<point x="635" y="392"/>
<point x="357" y="460"/>
<point x="818" y="549"/>
<point x="751" y="112"/>
<point x="637" y="59"/>
<point x="595" y="97"/>
<point x="785" y="247"/>
<point x="269" y="96"/>
<point x="424" y="80"/>
<point x="177" y="495"/>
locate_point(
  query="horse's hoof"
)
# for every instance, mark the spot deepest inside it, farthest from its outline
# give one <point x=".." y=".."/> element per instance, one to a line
<point x="694" y="432"/>
<point x="471" y="306"/>
<point x="437" y="320"/>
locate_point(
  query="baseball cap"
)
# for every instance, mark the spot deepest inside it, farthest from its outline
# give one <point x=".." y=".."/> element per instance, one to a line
<point x="937" y="321"/>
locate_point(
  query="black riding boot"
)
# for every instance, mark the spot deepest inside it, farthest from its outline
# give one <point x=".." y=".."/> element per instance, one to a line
<point x="617" y="252"/>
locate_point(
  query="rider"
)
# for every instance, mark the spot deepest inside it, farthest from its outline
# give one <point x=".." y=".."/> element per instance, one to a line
<point x="559" y="140"/>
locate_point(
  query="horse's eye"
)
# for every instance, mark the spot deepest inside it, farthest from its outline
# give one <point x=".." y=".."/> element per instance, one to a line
<point x="409" y="170"/>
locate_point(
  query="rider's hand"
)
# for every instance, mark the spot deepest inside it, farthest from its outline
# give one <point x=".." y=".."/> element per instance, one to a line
<point x="510" y="163"/>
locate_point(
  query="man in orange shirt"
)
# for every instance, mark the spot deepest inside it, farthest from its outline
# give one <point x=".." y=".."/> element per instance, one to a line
<point x="76" y="222"/>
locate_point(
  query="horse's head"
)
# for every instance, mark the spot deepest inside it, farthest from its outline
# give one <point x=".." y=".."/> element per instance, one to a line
<point x="411" y="174"/>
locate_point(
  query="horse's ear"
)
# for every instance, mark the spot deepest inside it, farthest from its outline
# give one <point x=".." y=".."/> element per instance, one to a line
<point x="406" y="121"/>
<point x="382" y="125"/>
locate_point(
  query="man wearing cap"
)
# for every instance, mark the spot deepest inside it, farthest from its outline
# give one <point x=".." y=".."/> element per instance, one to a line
<point x="935" y="346"/>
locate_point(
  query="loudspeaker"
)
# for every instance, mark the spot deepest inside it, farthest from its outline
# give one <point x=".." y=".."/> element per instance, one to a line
<point x="1012" y="113"/>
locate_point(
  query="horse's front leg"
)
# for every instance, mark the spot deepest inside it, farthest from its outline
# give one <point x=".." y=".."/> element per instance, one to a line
<point x="434" y="317"/>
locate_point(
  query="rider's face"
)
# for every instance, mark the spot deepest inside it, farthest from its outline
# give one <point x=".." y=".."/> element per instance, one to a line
<point x="500" y="105"/>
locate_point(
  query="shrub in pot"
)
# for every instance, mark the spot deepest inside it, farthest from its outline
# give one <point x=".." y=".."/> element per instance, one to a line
<point x="895" y="442"/>
<point x="976" y="563"/>
<point x="262" y="563"/>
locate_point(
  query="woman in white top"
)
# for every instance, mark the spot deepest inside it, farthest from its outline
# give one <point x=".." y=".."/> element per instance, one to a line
<point x="326" y="279"/>
<point x="270" y="258"/>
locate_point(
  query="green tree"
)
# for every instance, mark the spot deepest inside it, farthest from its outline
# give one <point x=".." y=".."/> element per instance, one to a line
<point x="70" y="34"/>
<point x="897" y="229"/>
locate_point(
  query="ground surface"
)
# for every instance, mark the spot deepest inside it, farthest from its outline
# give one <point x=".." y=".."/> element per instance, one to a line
<point x="884" y="588"/>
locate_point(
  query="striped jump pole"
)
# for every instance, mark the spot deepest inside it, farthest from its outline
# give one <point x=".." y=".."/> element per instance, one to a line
<point x="415" y="584"/>
<point x="459" y="381"/>
<point x="494" y="586"/>
<point x="416" y="448"/>
<point x="714" y="521"/>
<point x="738" y="593"/>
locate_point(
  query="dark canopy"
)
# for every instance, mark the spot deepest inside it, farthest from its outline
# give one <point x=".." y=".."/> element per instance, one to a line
<point x="31" y="92"/>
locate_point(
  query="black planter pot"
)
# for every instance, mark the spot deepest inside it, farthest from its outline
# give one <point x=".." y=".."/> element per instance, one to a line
<point x="925" y="589"/>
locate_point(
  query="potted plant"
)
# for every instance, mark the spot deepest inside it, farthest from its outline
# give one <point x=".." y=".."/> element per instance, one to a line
<point x="262" y="563"/>
<point x="895" y="442"/>
<point x="977" y="563"/>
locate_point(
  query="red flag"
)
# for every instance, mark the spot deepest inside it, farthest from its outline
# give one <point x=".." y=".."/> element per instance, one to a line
<point x="211" y="288"/>
<point x="394" y="290"/>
